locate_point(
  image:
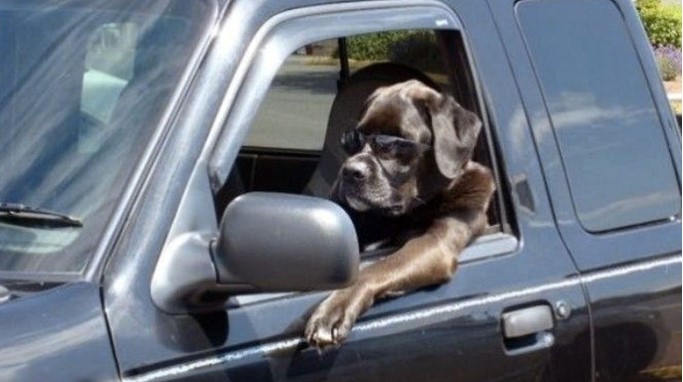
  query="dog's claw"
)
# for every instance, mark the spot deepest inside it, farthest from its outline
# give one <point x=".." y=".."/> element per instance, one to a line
<point x="330" y="324"/>
<point x="322" y="335"/>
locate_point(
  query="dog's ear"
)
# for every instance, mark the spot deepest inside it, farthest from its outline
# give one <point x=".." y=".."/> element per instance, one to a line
<point x="455" y="131"/>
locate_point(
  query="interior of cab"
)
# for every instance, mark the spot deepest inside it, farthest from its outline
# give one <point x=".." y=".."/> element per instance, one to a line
<point x="318" y="94"/>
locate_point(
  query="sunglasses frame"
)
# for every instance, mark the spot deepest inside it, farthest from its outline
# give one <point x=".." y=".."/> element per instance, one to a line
<point x="381" y="144"/>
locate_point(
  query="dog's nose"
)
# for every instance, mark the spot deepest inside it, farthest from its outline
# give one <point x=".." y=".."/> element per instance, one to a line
<point x="355" y="171"/>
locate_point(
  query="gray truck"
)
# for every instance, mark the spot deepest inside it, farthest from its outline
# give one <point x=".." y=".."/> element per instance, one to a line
<point x="136" y="137"/>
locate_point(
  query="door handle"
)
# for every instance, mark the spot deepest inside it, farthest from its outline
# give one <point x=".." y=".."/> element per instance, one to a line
<point x="526" y="329"/>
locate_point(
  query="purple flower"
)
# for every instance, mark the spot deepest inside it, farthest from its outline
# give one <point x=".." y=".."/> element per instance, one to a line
<point x="670" y="53"/>
<point x="669" y="61"/>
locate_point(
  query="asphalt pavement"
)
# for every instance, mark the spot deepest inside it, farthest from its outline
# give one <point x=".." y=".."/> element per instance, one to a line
<point x="295" y="111"/>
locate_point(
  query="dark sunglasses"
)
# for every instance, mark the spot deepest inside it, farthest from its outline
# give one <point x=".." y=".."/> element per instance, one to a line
<point x="385" y="145"/>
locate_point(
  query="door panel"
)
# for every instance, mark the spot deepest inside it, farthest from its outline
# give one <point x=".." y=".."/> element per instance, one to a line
<point x="436" y="334"/>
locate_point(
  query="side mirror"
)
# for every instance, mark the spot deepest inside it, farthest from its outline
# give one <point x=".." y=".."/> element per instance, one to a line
<point x="281" y="242"/>
<point x="267" y="242"/>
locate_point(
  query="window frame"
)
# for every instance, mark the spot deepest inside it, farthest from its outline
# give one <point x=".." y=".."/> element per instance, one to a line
<point x="287" y="32"/>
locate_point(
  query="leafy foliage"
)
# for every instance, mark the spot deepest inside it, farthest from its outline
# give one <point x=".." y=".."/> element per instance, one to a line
<point x="662" y="22"/>
<point x="414" y="48"/>
<point x="374" y="47"/>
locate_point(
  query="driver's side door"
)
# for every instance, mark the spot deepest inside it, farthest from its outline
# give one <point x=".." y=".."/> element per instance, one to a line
<point x="447" y="332"/>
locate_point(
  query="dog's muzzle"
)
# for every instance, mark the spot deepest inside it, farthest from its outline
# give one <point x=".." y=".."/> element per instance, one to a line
<point x="364" y="187"/>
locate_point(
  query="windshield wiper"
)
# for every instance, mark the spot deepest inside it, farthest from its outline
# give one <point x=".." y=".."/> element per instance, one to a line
<point x="5" y="294"/>
<point x="20" y="214"/>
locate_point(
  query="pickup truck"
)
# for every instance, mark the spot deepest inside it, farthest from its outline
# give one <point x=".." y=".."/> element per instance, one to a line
<point x="165" y="166"/>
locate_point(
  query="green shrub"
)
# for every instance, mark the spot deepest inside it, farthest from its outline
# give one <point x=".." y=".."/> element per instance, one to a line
<point x="373" y="47"/>
<point x="662" y="22"/>
<point x="413" y="48"/>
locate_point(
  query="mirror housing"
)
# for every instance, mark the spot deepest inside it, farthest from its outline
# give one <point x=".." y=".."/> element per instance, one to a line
<point x="281" y="242"/>
<point x="267" y="242"/>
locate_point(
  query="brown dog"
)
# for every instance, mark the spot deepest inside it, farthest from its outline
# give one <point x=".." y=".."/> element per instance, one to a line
<point x="410" y="161"/>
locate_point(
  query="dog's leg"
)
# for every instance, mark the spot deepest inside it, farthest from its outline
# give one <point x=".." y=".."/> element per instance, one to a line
<point x="425" y="260"/>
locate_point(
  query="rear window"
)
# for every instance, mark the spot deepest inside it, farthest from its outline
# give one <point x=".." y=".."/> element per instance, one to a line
<point x="610" y="137"/>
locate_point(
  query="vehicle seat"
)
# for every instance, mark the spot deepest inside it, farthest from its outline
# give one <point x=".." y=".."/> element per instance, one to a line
<point x="344" y="115"/>
<point x="149" y="87"/>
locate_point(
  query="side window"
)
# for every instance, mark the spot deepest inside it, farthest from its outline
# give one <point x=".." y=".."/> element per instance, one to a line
<point x="294" y="144"/>
<point x="610" y="137"/>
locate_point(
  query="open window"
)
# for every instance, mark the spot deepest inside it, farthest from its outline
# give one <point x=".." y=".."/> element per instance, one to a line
<point x="293" y="144"/>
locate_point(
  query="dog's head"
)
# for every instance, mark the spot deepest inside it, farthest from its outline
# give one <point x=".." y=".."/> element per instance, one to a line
<point x="411" y="144"/>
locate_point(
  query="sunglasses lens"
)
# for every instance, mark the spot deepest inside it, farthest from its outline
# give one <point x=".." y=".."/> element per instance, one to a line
<point x="405" y="148"/>
<point x="394" y="146"/>
<point x="352" y="141"/>
<point x="385" y="144"/>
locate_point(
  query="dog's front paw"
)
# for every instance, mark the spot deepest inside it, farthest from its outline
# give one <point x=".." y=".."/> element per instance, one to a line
<point x="331" y="322"/>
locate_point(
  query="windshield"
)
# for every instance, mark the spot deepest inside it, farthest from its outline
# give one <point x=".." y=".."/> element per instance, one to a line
<point x="82" y="88"/>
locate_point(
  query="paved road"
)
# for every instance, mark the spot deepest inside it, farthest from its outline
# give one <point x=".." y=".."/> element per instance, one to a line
<point x="294" y="113"/>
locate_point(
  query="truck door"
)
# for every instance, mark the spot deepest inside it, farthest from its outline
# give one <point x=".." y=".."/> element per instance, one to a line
<point x="272" y="134"/>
